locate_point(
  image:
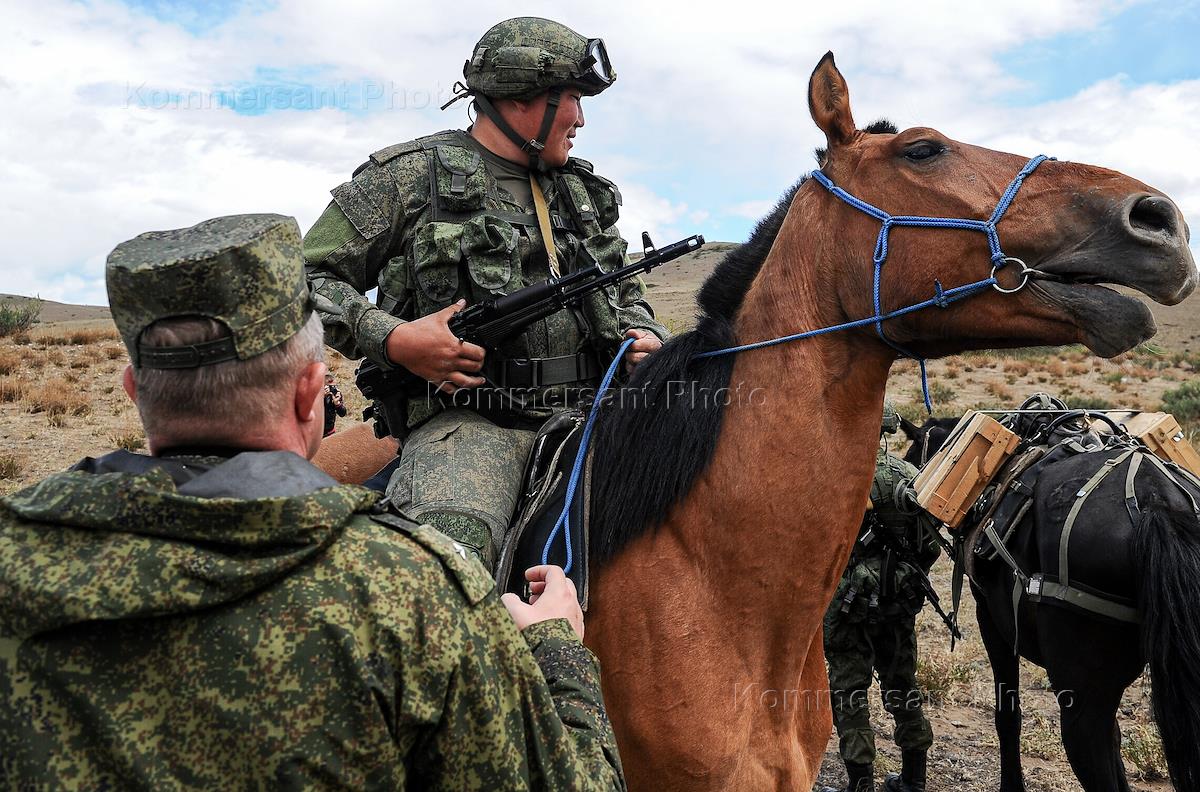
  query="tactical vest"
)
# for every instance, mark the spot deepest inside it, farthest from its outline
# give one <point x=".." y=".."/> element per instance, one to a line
<point x="469" y="240"/>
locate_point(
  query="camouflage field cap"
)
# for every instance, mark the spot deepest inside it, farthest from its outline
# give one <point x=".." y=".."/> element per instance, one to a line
<point x="245" y="271"/>
<point x="523" y="57"/>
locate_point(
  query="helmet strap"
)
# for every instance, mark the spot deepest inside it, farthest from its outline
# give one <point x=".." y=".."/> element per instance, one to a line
<point x="534" y="147"/>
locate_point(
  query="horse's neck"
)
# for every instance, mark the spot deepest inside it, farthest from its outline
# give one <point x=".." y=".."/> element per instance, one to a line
<point x="794" y="461"/>
<point x="825" y="391"/>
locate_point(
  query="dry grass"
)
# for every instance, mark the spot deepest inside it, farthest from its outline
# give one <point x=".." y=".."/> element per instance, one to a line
<point x="1002" y="392"/>
<point x="11" y="467"/>
<point x="1142" y="748"/>
<point x="10" y="361"/>
<point x="1040" y="737"/>
<point x="130" y="440"/>
<point x="114" y="352"/>
<point x="1078" y="369"/>
<point x="55" y="357"/>
<point x="938" y="676"/>
<point x="1018" y="368"/>
<point x="12" y="389"/>
<point x="57" y="397"/>
<point x="78" y="337"/>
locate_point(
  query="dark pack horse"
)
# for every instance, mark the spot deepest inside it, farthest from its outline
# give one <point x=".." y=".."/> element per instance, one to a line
<point x="1119" y="593"/>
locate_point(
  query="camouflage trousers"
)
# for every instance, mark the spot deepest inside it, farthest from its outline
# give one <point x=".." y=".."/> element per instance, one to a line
<point x="461" y="473"/>
<point x="853" y="649"/>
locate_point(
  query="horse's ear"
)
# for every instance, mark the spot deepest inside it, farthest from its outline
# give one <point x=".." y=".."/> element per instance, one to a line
<point x="829" y="102"/>
<point x="910" y="429"/>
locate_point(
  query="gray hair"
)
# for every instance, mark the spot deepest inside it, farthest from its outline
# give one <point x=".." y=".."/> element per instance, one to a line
<point x="226" y="397"/>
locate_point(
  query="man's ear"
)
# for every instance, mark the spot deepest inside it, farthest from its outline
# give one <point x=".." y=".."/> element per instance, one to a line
<point x="309" y="392"/>
<point x="129" y="383"/>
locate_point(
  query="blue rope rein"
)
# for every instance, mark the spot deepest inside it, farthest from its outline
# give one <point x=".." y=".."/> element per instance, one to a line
<point x="564" y="518"/>
<point x="942" y="297"/>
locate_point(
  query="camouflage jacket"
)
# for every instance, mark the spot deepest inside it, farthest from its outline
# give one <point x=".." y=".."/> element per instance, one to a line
<point x="427" y="223"/>
<point x="200" y="623"/>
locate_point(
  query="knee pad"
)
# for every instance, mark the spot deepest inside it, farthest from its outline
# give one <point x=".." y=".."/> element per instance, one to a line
<point x="471" y="532"/>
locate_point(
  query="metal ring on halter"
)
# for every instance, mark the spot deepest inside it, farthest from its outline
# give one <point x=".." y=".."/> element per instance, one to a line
<point x="1026" y="271"/>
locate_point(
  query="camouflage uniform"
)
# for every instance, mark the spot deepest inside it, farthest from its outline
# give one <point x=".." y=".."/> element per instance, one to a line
<point x="203" y="623"/>
<point x="871" y="625"/>
<point x="214" y="619"/>
<point x="430" y="221"/>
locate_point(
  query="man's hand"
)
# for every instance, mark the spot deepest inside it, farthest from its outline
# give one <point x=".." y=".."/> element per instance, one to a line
<point x="427" y="348"/>
<point x="646" y="343"/>
<point x="552" y="597"/>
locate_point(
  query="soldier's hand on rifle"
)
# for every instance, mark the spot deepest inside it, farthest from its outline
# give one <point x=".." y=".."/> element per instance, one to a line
<point x="646" y="343"/>
<point x="427" y="348"/>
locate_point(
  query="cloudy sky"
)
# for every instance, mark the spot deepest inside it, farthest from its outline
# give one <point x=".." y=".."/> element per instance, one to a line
<point x="149" y="114"/>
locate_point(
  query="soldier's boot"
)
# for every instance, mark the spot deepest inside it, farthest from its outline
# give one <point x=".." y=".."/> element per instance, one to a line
<point x="859" y="778"/>
<point x="912" y="773"/>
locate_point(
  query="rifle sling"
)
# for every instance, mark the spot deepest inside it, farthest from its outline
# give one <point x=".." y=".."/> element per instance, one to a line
<point x="543" y="216"/>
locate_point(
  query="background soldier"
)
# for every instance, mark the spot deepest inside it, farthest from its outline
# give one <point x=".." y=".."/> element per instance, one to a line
<point x="459" y="217"/>
<point x="335" y="405"/>
<point x="221" y="614"/>
<point x="871" y="625"/>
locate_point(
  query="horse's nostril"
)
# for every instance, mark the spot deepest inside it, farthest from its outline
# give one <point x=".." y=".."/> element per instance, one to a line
<point x="1154" y="214"/>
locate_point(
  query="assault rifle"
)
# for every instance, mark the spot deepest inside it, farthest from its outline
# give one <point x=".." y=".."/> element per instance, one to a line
<point x="493" y="321"/>
<point x="877" y="530"/>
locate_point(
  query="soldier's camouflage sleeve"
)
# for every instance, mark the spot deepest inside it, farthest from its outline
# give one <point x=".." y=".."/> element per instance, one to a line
<point x="573" y="676"/>
<point x="344" y="252"/>
<point x="551" y="716"/>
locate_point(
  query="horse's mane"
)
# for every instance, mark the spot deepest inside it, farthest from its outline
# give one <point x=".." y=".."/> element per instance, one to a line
<point x="654" y="437"/>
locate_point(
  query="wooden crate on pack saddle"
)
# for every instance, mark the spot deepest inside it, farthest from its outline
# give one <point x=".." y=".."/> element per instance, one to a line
<point x="949" y="484"/>
<point x="1160" y="433"/>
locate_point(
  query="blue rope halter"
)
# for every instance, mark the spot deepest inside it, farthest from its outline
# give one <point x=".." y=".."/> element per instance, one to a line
<point x="941" y="298"/>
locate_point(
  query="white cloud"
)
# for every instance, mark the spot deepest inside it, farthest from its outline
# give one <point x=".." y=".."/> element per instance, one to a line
<point x="708" y="118"/>
<point x="751" y="210"/>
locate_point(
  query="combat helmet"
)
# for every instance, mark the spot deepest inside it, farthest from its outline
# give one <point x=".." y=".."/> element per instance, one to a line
<point x="891" y="418"/>
<point x="523" y="57"/>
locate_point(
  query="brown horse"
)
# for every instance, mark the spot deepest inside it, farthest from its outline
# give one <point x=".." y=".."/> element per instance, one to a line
<point x="355" y="454"/>
<point x="733" y="486"/>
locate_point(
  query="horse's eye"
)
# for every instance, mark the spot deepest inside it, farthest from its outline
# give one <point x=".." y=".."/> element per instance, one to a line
<point x="923" y="150"/>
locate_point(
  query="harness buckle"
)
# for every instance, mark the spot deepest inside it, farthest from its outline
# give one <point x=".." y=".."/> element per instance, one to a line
<point x="1026" y="271"/>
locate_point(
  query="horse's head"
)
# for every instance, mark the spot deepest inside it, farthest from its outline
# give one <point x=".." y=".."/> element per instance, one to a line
<point x="927" y="439"/>
<point x="1079" y="225"/>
